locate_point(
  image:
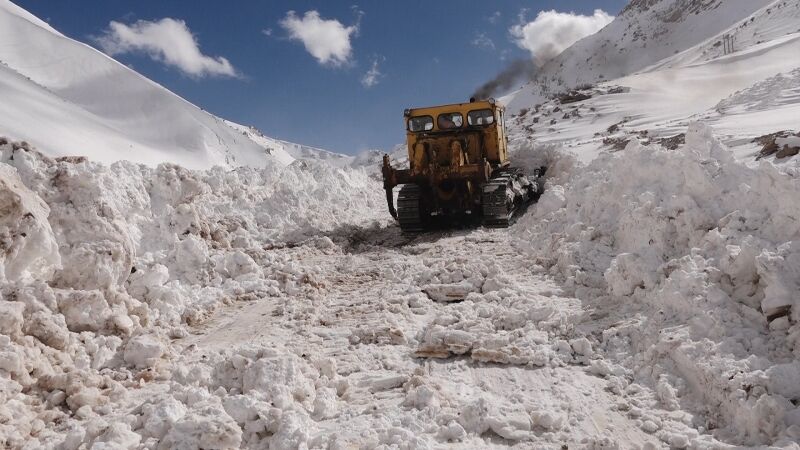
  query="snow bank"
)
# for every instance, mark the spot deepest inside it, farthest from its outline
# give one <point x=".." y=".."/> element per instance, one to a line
<point x="102" y="265"/>
<point x="698" y="253"/>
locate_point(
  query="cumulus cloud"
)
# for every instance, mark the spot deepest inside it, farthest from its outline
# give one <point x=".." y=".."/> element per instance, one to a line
<point x="167" y="40"/>
<point x="483" y="41"/>
<point x="494" y="18"/>
<point x="373" y="75"/>
<point x="327" y="40"/>
<point x="553" y="32"/>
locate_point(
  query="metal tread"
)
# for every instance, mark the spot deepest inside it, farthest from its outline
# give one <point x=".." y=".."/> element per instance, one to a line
<point x="497" y="210"/>
<point x="408" y="213"/>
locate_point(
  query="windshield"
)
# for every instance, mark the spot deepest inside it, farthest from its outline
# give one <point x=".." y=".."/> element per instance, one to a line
<point x="449" y="121"/>
<point x="480" y="117"/>
<point x="422" y="123"/>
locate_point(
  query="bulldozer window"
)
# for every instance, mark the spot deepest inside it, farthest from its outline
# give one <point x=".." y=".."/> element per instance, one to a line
<point x="480" y="117"/>
<point x="422" y="123"/>
<point x="448" y="121"/>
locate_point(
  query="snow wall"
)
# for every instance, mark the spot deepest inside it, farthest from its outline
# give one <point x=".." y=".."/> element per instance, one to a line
<point x="102" y="265"/>
<point x="696" y="258"/>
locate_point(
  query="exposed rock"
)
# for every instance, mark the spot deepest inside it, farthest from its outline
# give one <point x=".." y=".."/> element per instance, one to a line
<point x="672" y="143"/>
<point x="771" y="147"/>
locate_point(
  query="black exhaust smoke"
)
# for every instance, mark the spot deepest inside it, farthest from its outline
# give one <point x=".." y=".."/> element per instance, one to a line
<point x="520" y="70"/>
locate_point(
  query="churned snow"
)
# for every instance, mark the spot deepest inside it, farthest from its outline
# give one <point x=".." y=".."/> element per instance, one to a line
<point x="646" y="300"/>
<point x="103" y="265"/>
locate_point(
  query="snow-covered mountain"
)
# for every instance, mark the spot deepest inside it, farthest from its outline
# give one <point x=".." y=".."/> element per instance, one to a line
<point x="745" y="94"/>
<point x="773" y="21"/>
<point x="644" y="33"/>
<point x="66" y="98"/>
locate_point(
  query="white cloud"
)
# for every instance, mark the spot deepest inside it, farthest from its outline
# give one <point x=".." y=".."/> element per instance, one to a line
<point x="326" y="39"/>
<point x="373" y="75"/>
<point x="267" y="31"/>
<point x="483" y="41"/>
<point x="494" y="18"/>
<point x="553" y="32"/>
<point x="167" y="40"/>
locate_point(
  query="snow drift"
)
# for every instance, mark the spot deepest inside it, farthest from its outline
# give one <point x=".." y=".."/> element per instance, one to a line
<point x="700" y="254"/>
<point x="102" y="265"/>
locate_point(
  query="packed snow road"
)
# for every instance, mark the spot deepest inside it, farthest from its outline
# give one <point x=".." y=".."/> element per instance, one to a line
<point x="490" y="354"/>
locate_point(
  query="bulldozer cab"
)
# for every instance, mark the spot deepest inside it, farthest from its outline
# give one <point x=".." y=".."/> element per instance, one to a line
<point x="455" y="135"/>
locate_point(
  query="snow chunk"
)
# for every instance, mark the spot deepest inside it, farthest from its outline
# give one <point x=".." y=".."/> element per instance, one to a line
<point x="783" y="380"/>
<point x="158" y="418"/>
<point x="449" y="292"/>
<point x="117" y="436"/>
<point x="143" y="351"/>
<point x="207" y="425"/>
<point x="29" y="248"/>
<point x="84" y="310"/>
<point x="281" y="379"/>
<point x="11" y="318"/>
<point x="779" y="271"/>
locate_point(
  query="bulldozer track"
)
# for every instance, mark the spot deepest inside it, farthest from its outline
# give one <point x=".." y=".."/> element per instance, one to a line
<point x="408" y="209"/>
<point x="498" y="205"/>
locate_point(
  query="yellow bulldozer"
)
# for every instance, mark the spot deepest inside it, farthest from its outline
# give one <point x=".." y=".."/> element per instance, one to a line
<point x="458" y="168"/>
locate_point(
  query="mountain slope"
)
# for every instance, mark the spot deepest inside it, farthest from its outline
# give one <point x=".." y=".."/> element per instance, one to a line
<point x="644" y="33"/>
<point x="747" y="94"/>
<point x="773" y="21"/>
<point x="67" y="98"/>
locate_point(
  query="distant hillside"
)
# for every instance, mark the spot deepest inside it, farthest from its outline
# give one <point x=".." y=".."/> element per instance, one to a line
<point x="67" y="98"/>
<point x="644" y="33"/>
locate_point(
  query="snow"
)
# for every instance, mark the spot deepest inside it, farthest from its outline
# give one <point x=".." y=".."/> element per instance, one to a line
<point x="133" y="255"/>
<point x="303" y="333"/>
<point x="648" y="300"/>
<point x="775" y="20"/>
<point x="698" y="252"/>
<point x="29" y="249"/>
<point x="792" y="141"/>
<point x="744" y="95"/>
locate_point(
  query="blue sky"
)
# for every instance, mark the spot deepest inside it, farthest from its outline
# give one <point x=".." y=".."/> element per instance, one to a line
<point x="426" y="52"/>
